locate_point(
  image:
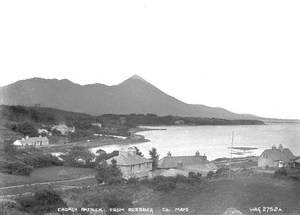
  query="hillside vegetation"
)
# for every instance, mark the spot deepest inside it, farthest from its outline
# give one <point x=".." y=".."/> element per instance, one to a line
<point x="27" y="120"/>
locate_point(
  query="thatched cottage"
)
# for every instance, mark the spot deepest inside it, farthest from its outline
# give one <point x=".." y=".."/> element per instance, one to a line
<point x="184" y="164"/>
<point x="131" y="164"/>
<point x="276" y="158"/>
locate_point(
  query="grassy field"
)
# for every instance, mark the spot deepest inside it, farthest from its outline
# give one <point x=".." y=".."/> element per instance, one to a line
<point x="47" y="174"/>
<point x="212" y="197"/>
<point x="243" y="193"/>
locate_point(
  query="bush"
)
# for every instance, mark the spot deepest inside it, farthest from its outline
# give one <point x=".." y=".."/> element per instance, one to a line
<point x="165" y="186"/>
<point x="9" y="148"/>
<point x="41" y="160"/>
<point x="8" y="204"/>
<point x="133" y="181"/>
<point x="111" y="197"/>
<point x="109" y="174"/>
<point x="222" y="172"/>
<point x="193" y="175"/>
<point x="43" y="201"/>
<point x="16" y="168"/>
<point x="77" y="153"/>
<point x="162" y="183"/>
<point x="181" y="179"/>
<point x="210" y="174"/>
<point x="280" y="172"/>
<point x="25" y="128"/>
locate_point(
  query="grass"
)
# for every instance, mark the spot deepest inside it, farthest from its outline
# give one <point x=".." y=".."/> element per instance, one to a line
<point x="214" y="197"/>
<point x="46" y="174"/>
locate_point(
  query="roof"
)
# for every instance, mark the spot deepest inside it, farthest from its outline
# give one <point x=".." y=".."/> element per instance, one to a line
<point x="210" y="166"/>
<point x="128" y="159"/>
<point x="33" y="139"/>
<point x="278" y="154"/>
<point x="172" y="161"/>
<point x="174" y="172"/>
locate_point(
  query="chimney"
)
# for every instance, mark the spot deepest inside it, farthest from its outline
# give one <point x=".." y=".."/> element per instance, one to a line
<point x="280" y="147"/>
<point x="131" y="151"/>
<point x="273" y="147"/>
<point x="197" y="153"/>
<point x="169" y="154"/>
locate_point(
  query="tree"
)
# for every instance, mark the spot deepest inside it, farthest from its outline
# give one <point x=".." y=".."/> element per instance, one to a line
<point x="16" y="168"/>
<point x="103" y="156"/>
<point x="43" y="201"/>
<point x="9" y="148"/>
<point x="138" y="152"/>
<point x="26" y="128"/>
<point x="79" y="156"/>
<point x="154" y="157"/>
<point x="109" y="174"/>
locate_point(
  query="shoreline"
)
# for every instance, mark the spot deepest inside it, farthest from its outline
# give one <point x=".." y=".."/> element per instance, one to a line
<point x="103" y="141"/>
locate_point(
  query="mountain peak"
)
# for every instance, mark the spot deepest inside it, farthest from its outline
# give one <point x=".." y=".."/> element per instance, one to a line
<point x="134" y="79"/>
<point x="137" y="77"/>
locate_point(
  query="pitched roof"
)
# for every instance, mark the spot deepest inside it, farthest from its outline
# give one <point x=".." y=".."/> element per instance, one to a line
<point x="128" y="159"/>
<point x="276" y="154"/>
<point x="33" y="139"/>
<point x="297" y="160"/>
<point x="174" y="172"/>
<point x="173" y="161"/>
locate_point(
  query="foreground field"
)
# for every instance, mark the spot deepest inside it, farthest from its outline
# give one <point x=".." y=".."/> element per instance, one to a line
<point x="243" y="193"/>
<point x="210" y="197"/>
<point x="47" y="174"/>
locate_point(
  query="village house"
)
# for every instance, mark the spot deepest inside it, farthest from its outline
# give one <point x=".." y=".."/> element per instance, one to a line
<point x="276" y="158"/>
<point x="63" y="129"/>
<point x="131" y="164"/>
<point x="32" y="141"/>
<point x="182" y="165"/>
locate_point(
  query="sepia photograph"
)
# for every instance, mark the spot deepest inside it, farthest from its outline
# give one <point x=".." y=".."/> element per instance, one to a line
<point x="149" y="107"/>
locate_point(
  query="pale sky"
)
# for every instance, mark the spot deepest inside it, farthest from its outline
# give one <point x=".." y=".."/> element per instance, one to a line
<point x="240" y="55"/>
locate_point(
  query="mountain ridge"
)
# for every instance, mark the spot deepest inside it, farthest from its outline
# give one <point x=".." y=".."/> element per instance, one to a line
<point x="133" y="95"/>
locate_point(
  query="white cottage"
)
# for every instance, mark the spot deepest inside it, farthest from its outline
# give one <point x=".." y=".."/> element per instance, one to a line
<point x="32" y="141"/>
<point x="275" y="157"/>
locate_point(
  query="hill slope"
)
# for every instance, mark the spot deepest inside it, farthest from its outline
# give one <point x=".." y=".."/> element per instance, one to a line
<point x="134" y="95"/>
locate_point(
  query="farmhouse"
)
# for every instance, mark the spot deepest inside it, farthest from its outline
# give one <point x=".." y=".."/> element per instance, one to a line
<point x="63" y="129"/>
<point x="276" y="158"/>
<point x="32" y="141"/>
<point x="131" y="164"/>
<point x="196" y="163"/>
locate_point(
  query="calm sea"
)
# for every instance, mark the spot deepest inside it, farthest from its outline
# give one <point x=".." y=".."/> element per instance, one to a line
<point x="215" y="141"/>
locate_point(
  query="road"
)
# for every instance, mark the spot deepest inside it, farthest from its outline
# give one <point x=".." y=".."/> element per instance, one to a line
<point x="48" y="182"/>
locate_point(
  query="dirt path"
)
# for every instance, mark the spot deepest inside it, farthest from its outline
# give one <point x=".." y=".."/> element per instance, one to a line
<point x="48" y="182"/>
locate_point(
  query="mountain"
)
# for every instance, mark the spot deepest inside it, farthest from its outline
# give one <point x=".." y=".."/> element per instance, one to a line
<point x="134" y="95"/>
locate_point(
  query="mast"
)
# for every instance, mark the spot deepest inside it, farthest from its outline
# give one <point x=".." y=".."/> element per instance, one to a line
<point x="231" y="154"/>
